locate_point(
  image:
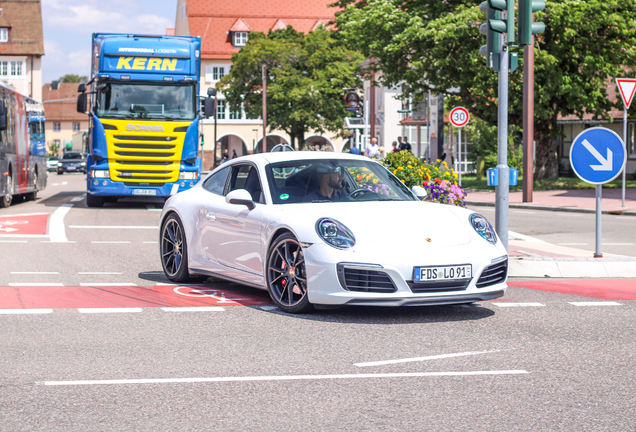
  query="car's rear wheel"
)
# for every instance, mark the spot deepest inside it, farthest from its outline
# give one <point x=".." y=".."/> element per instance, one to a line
<point x="32" y="196"/>
<point x="286" y="275"/>
<point x="174" y="250"/>
<point x="8" y="197"/>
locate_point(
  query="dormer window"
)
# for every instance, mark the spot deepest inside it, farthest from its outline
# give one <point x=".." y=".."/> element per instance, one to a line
<point x="240" y="39"/>
<point x="4" y="34"/>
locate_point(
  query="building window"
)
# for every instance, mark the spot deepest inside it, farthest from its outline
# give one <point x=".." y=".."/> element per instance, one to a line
<point x="12" y="68"/>
<point x="214" y="73"/>
<point x="235" y="115"/>
<point x="240" y="39"/>
<point x="220" y="109"/>
<point x="16" y="68"/>
<point x="4" y="34"/>
<point x="76" y="127"/>
<point x="56" y="127"/>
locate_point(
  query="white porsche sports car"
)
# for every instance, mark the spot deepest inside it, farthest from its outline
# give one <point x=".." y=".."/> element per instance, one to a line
<point x="328" y="229"/>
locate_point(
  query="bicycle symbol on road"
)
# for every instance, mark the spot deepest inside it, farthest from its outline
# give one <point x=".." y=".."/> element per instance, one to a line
<point x="11" y="222"/>
<point x="205" y="292"/>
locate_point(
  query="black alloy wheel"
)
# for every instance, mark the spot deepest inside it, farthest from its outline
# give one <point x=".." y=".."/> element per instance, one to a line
<point x="286" y="275"/>
<point x="32" y="196"/>
<point x="173" y="249"/>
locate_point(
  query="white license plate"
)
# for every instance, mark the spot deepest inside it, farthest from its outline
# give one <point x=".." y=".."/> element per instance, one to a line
<point x="144" y="191"/>
<point x="71" y="168"/>
<point x="439" y="273"/>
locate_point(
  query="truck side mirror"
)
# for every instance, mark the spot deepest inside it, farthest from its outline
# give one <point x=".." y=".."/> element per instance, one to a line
<point x="208" y="109"/>
<point x="3" y="115"/>
<point x="81" y="88"/>
<point x="81" y="103"/>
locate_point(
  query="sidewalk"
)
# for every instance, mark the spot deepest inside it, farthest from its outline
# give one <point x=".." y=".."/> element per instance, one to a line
<point x="534" y="258"/>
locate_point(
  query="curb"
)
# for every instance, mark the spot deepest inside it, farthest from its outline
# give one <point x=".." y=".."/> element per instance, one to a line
<point x="553" y="208"/>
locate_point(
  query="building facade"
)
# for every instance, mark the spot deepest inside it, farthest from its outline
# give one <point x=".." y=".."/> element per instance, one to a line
<point x="22" y="46"/>
<point x="224" y="27"/>
<point x="64" y="126"/>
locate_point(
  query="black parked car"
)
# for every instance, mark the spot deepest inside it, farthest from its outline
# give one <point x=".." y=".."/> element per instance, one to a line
<point x="72" y="162"/>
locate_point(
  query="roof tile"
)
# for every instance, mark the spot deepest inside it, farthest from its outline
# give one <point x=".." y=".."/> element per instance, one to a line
<point x="24" y="17"/>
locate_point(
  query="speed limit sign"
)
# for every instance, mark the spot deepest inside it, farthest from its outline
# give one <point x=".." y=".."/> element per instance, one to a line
<point x="459" y="117"/>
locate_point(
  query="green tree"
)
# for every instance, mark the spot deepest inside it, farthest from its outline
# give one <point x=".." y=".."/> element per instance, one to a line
<point x="54" y="149"/>
<point x="433" y="45"/>
<point x="72" y="78"/>
<point x="306" y="75"/>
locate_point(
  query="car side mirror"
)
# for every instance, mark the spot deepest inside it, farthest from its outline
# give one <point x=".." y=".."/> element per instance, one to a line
<point x="419" y="192"/>
<point x="208" y="108"/>
<point x="241" y="197"/>
<point x="3" y="115"/>
<point x="81" y="103"/>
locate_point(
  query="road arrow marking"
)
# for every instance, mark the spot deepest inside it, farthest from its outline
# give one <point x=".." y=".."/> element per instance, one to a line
<point x="606" y="164"/>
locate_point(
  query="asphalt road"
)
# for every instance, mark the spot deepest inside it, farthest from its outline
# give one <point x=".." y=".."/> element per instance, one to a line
<point x="545" y="362"/>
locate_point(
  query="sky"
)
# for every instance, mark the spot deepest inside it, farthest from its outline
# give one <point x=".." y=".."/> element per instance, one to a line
<point x="68" y="25"/>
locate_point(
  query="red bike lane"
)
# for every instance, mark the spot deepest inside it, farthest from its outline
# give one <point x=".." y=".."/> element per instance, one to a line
<point x="608" y="289"/>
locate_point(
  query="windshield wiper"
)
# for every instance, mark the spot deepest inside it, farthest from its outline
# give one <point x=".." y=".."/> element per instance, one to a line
<point x="320" y="201"/>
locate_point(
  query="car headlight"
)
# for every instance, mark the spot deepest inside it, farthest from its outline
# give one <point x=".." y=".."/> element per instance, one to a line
<point x="59" y="164"/>
<point x="483" y="228"/>
<point x="83" y="163"/>
<point x="335" y="233"/>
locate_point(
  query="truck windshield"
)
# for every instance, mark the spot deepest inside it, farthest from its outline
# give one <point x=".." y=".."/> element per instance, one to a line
<point x="145" y="100"/>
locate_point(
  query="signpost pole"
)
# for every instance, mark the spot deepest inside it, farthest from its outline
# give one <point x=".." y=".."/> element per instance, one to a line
<point x="625" y="141"/>
<point x="599" y="196"/>
<point x="459" y="151"/>
<point x="502" y="190"/>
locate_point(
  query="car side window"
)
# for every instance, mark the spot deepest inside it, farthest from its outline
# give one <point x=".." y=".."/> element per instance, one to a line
<point x="216" y="182"/>
<point x="246" y="177"/>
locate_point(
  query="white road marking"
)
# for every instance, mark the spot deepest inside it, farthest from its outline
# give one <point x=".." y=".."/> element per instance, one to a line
<point x="110" y="242"/>
<point x="47" y="241"/>
<point x="57" y="232"/>
<point x="281" y="378"/>
<point x="602" y="303"/>
<point x="150" y="208"/>
<point x="24" y="311"/>
<point x="45" y="284"/>
<point x="107" y="284"/>
<point x="35" y="273"/>
<point x="23" y="214"/>
<point x="24" y="235"/>
<point x="517" y="236"/>
<point x="99" y="273"/>
<point x="64" y="183"/>
<point x="572" y="244"/>
<point x="114" y="227"/>
<point x="194" y="309"/>
<point x="108" y="310"/>
<point x="415" y="359"/>
<point x="13" y="241"/>
<point x="505" y="304"/>
<point x="78" y="198"/>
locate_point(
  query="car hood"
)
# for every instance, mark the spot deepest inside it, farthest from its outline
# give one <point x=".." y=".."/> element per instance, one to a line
<point x="383" y="224"/>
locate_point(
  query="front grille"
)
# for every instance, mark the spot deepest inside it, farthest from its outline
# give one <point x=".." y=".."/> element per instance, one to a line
<point x="144" y="184"/>
<point x="143" y="154"/>
<point x="143" y="138"/>
<point x="121" y="162"/>
<point x="439" y="286"/>
<point x="493" y="274"/>
<point x="363" y="280"/>
<point x="145" y="146"/>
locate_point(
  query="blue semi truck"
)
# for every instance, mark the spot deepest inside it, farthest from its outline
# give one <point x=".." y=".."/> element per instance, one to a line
<point x="143" y="106"/>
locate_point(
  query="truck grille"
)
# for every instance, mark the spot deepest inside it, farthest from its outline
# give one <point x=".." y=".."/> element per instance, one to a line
<point x="493" y="274"/>
<point x="363" y="280"/>
<point x="145" y="157"/>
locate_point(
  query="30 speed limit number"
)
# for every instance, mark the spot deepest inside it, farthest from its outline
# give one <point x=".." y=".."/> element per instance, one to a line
<point x="459" y="117"/>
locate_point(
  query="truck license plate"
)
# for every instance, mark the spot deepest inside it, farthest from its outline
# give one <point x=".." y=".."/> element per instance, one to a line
<point x="144" y="191"/>
<point x="439" y="273"/>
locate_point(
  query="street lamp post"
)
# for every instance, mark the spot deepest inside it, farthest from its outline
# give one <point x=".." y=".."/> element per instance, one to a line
<point x="212" y="94"/>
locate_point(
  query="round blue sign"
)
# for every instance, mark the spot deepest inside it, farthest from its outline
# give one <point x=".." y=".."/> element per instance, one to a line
<point x="598" y="155"/>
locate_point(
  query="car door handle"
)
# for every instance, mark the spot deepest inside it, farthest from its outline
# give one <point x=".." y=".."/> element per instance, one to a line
<point x="210" y="216"/>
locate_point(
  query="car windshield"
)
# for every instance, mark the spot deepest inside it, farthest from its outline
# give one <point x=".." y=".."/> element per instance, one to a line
<point x="145" y="101"/>
<point x="354" y="180"/>
<point x="72" y="156"/>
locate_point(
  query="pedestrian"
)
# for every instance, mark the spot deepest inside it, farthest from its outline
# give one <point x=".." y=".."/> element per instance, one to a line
<point x="226" y="156"/>
<point x="372" y="149"/>
<point x="234" y="155"/>
<point x="405" y="145"/>
<point x="354" y="150"/>
<point x="395" y="148"/>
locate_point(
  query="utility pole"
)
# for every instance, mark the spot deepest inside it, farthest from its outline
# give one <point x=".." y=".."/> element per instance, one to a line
<point x="264" y="146"/>
<point x="528" y="121"/>
<point x="502" y="190"/>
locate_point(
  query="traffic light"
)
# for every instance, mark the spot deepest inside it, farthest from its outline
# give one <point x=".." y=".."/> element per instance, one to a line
<point x="527" y="28"/>
<point x="491" y="49"/>
<point x="507" y="26"/>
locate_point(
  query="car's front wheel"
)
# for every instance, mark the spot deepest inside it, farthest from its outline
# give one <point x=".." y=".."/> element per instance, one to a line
<point x="174" y="250"/>
<point x="286" y="275"/>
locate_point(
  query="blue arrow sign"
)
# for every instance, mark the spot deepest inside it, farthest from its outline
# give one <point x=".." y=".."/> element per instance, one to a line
<point x="598" y="155"/>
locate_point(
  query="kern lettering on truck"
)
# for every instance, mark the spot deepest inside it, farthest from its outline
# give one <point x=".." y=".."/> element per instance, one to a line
<point x="145" y="63"/>
<point x="140" y="127"/>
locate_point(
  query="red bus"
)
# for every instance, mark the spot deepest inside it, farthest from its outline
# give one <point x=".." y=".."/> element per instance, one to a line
<point x="22" y="146"/>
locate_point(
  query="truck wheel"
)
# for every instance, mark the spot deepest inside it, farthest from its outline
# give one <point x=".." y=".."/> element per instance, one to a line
<point x="5" y="201"/>
<point x="94" y="200"/>
<point x="32" y="196"/>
